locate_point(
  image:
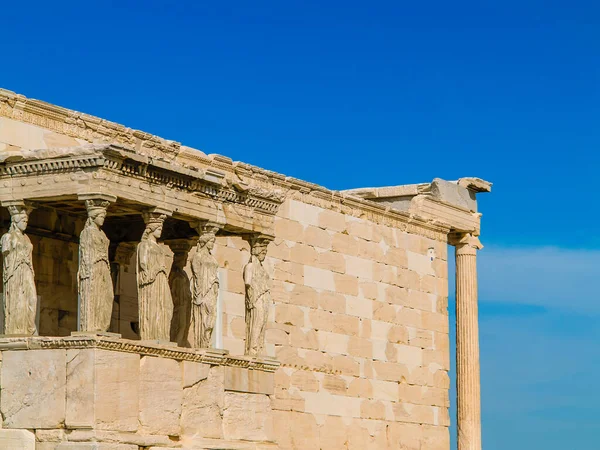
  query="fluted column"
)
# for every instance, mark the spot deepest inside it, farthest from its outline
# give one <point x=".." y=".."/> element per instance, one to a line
<point x="467" y="343"/>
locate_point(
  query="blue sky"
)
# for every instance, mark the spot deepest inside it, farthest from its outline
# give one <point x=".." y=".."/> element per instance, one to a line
<point x="353" y="94"/>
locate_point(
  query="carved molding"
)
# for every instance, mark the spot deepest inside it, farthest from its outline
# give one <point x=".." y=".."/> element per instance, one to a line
<point x="206" y="356"/>
<point x="213" y="167"/>
<point x="119" y="160"/>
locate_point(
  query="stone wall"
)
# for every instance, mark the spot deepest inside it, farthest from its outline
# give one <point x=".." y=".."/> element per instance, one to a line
<point x="102" y="393"/>
<point x="360" y="326"/>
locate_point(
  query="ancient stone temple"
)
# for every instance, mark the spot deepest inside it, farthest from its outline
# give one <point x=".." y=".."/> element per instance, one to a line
<point x="156" y="298"/>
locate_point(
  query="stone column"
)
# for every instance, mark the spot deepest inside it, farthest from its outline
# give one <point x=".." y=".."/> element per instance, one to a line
<point x="20" y="303"/>
<point x="258" y="295"/>
<point x="153" y="267"/>
<point x="95" y="284"/>
<point x="467" y="343"/>
<point x="181" y="291"/>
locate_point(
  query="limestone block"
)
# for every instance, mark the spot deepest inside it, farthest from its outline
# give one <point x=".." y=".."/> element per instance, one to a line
<point x="203" y="406"/>
<point x="302" y="212"/>
<point x="359" y="267"/>
<point x="247" y="417"/>
<point x="385" y="390"/>
<point x="287" y="400"/>
<point x="319" y="278"/>
<point x="17" y="440"/>
<point x="344" y="244"/>
<point x="389" y="371"/>
<point x="361" y="229"/>
<point x="294" y="430"/>
<point x="304" y="254"/>
<point x="333" y="433"/>
<point x="435" y="321"/>
<point x="409" y="355"/>
<point x="81" y="388"/>
<point x="359" y="307"/>
<point x="299" y="338"/>
<point x="362" y="348"/>
<point x="317" y="237"/>
<point x="333" y="342"/>
<point x="33" y="388"/>
<point x="305" y="381"/>
<point x="331" y="220"/>
<point x="117" y="390"/>
<point x="95" y="446"/>
<point x="248" y="381"/>
<point x="332" y="261"/>
<point x="345" y="284"/>
<point x="360" y="387"/>
<point x="288" y="229"/>
<point x="372" y="251"/>
<point x="304" y="296"/>
<point x="346" y="365"/>
<point x="372" y="409"/>
<point x="334" y="384"/>
<point x="161" y="395"/>
<point x="425" y="339"/>
<point x="333" y="405"/>
<point x="289" y="314"/>
<point x="420" y="263"/>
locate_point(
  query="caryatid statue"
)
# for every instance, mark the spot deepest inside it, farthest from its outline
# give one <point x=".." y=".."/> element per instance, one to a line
<point x="154" y="293"/>
<point x="20" y="296"/>
<point x="205" y="291"/>
<point x="95" y="286"/>
<point x="181" y="292"/>
<point x="258" y="296"/>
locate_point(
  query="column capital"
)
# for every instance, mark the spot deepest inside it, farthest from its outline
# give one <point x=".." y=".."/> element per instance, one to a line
<point x="16" y="207"/>
<point x="156" y="215"/>
<point x="465" y="243"/>
<point x="206" y="226"/>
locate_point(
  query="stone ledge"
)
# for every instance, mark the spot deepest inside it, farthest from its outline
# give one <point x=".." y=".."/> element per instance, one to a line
<point x="206" y="356"/>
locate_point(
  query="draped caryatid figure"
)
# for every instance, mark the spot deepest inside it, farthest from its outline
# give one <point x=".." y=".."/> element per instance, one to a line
<point x="205" y="291"/>
<point x="181" y="292"/>
<point x="258" y="296"/>
<point x="95" y="288"/>
<point x="20" y="296"/>
<point x="154" y="293"/>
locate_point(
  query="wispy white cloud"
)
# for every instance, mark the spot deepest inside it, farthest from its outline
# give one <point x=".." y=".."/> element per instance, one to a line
<point x="553" y="278"/>
<point x="539" y="370"/>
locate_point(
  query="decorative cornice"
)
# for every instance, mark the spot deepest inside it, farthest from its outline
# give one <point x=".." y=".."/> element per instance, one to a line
<point x="217" y="169"/>
<point x="123" y="161"/>
<point x="206" y="356"/>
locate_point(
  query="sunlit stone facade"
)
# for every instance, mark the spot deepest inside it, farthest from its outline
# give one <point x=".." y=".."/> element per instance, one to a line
<point x="249" y="310"/>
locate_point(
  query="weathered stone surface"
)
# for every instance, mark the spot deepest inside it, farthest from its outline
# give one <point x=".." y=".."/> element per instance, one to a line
<point x="247" y="417"/>
<point x="160" y="396"/>
<point x="249" y="381"/>
<point x="33" y="388"/>
<point x="202" y="409"/>
<point x="17" y="440"/>
<point x="81" y="389"/>
<point x="117" y="390"/>
<point x="194" y="372"/>
<point x="95" y="446"/>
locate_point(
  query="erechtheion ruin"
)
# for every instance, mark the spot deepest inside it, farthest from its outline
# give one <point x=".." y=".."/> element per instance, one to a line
<point x="159" y="298"/>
